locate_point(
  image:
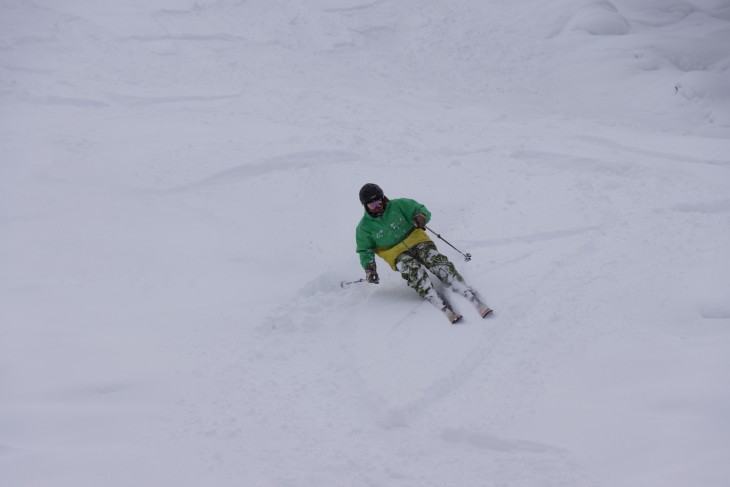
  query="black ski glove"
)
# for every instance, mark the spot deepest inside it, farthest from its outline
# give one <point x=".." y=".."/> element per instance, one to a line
<point x="420" y="220"/>
<point x="371" y="274"/>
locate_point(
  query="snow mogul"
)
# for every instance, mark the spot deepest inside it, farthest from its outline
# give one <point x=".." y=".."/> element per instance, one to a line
<point x="395" y="231"/>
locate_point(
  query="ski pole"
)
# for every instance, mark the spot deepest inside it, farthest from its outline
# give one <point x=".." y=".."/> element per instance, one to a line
<point x="346" y="284"/>
<point x="467" y="256"/>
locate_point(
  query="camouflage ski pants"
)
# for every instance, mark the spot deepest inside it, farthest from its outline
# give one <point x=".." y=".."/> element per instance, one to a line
<point x="413" y="264"/>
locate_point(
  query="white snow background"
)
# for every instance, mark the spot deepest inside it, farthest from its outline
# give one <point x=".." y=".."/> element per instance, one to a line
<point x="179" y="196"/>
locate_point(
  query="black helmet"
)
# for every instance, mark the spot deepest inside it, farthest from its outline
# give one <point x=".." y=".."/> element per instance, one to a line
<point x="370" y="192"/>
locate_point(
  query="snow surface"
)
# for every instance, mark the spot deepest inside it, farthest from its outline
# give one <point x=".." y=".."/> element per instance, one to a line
<point x="179" y="195"/>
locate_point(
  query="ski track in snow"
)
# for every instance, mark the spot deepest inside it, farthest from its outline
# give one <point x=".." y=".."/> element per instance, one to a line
<point x="317" y="312"/>
<point x="536" y="237"/>
<point x="297" y="161"/>
<point x="656" y="155"/>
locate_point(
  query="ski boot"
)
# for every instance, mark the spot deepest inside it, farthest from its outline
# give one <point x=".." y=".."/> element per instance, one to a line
<point x="482" y="308"/>
<point x="451" y="315"/>
<point x="476" y="300"/>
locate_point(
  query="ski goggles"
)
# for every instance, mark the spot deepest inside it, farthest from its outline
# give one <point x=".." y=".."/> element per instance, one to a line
<point x="374" y="204"/>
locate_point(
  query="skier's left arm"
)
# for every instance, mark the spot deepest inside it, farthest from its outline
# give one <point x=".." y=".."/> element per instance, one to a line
<point x="418" y="212"/>
<point x="365" y="248"/>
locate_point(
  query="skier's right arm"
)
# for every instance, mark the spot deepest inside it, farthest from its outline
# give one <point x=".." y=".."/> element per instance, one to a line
<point x="365" y="248"/>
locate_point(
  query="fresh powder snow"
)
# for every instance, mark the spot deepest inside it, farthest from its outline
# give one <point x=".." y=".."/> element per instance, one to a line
<point x="178" y="201"/>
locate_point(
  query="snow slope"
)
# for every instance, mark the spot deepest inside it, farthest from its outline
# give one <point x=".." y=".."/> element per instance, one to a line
<point x="178" y="202"/>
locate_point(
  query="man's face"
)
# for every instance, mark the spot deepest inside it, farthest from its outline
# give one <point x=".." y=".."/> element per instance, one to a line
<point x="376" y="207"/>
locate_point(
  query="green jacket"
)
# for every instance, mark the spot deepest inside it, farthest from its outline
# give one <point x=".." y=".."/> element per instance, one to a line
<point x="391" y="233"/>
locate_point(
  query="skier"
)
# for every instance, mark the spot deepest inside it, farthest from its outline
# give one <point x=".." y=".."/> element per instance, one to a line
<point x="394" y="230"/>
